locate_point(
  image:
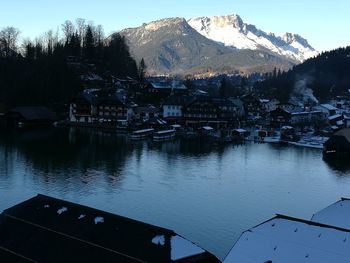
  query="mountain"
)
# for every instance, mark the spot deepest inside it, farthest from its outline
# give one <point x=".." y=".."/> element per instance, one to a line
<point x="176" y="46"/>
<point x="231" y="31"/>
<point x="317" y="79"/>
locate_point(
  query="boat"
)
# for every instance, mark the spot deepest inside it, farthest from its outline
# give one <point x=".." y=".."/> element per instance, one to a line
<point x="141" y="134"/>
<point x="164" y="135"/>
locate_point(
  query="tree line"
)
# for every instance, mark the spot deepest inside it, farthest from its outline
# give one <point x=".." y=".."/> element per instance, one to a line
<point x="36" y="72"/>
<point x="327" y="74"/>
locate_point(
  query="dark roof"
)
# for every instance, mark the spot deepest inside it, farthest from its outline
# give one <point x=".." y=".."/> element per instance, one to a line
<point x="344" y="133"/>
<point x="178" y="100"/>
<point x="45" y="229"/>
<point x="100" y="97"/>
<point x="224" y="103"/>
<point x="34" y="113"/>
<point x="149" y="109"/>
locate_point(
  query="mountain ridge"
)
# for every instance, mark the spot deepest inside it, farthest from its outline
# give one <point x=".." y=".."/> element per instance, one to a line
<point x="173" y="46"/>
<point x="232" y="31"/>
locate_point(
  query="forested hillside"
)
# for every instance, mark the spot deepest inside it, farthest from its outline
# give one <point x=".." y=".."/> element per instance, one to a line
<point x="327" y="75"/>
<point x="37" y="72"/>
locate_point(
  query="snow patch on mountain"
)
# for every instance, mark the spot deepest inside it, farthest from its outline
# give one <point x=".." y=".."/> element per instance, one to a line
<point x="231" y="31"/>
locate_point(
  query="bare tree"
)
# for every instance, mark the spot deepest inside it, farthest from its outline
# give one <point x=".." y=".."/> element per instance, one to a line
<point x="49" y="40"/>
<point x="99" y="35"/>
<point x="68" y="29"/>
<point x="8" y="40"/>
<point x="81" y="27"/>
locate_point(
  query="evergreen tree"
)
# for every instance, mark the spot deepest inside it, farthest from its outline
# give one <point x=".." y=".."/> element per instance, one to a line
<point x="89" y="44"/>
<point x="142" y="71"/>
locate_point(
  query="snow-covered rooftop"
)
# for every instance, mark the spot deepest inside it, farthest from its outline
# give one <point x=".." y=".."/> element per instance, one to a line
<point x="337" y="214"/>
<point x="328" y="106"/>
<point x="289" y="240"/>
<point x="333" y="117"/>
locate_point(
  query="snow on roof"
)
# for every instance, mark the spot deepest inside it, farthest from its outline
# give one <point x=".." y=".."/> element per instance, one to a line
<point x="334" y="117"/>
<point x="290" y="240"/>
<point x="328" y="106"/>
<point x="337" y="214"/>
<point x="240" y="130"/>
<point x="182" y="248"/>
<point x="165" y="131"/>
<point x="207" y="128"/>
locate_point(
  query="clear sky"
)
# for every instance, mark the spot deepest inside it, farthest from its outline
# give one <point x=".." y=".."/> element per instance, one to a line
<point x="324" y="23"/>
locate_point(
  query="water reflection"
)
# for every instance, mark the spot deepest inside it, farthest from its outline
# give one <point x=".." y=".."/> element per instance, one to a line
<point x="342" y="167"/>
<point x="208" y="193"/>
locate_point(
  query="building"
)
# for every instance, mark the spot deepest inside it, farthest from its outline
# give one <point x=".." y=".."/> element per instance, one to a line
<point x="96" y="106"/>
<point x="21" y="117"/>
<point x="145" y="113"/>
<point x="46" y="229"/>
<point x="287" y="106"/>
<point x="328" y="109"/>
<point x="338" y="145"/>
<point x="252" y="105"/>
<point x="239" y="107"/>
<point x="326" y="238"/>
<point x="269" y="105"/>
<point x="280" y="117"/>
<point x="334" y="119"/>
<point x="289" y="240"/>
<point x="337" y="214"/>
<point x="173" y="106"/>
<point x="164" y="89"/>
<point x="308" y="118"/>
<point x="228" y="109"/>
<point x="203" y="111"/>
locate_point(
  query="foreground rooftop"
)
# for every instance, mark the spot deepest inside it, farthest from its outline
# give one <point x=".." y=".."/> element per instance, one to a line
<point x="289" y="240"/>
<point x="46" y="229"/>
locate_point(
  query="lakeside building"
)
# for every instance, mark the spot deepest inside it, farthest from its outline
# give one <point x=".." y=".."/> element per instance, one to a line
<point x="327" y="109"/>
<point x="46" y="229"/>
<point x="338" y="145"/>
<point x="280" y="117"/>
<point x="21" y="117"/>
<point x="203" y="111"/>
<point x="173" y="107"/>
<point x="99" y="106"/>
<point x="252" y="105"/>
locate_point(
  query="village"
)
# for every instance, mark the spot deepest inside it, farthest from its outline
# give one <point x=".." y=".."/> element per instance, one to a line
<point x="163" y="108"/>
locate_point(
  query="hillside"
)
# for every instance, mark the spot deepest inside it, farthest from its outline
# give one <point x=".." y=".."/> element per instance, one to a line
<point x="172" y="46"/>
<point x="320" y="78"/>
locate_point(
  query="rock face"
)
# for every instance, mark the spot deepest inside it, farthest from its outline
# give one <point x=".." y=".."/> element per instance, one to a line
<point x="232" y="31"/>
<point x="209" y="46"/>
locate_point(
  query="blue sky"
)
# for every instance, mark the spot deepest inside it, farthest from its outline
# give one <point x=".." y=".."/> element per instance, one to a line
<point x="325" y="23"/>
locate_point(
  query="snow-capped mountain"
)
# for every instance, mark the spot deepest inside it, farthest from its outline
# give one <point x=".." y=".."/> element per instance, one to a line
<point x="231" y="31"/>
<point x="172" y="46"/>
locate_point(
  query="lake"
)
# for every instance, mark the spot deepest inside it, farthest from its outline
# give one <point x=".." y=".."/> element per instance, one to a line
<point x="207" y="193"/>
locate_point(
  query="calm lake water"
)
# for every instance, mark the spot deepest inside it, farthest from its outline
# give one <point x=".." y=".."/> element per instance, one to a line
<point x="207" y="193"/>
